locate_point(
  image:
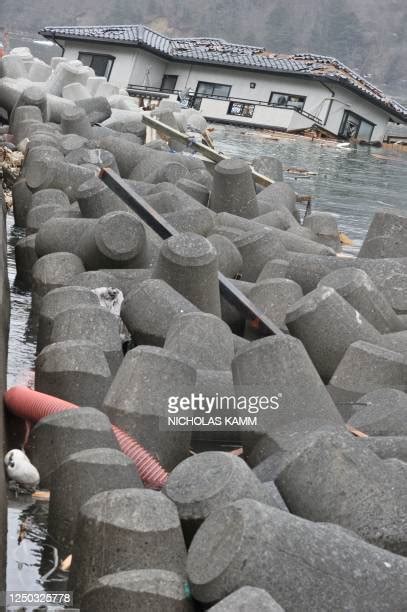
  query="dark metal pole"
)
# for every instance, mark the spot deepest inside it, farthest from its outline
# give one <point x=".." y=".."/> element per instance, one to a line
<point x="154" y="220"/>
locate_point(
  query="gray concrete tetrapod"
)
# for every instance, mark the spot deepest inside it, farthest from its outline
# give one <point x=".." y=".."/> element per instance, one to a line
<point x="327" y="325"/>
<point x="350" y="486"/>
<point x="207" y="481"/>
<point x="55" y="302"/>
<point x="57" y="174"/>
<point x="149" y="309"/>
<point x="389" y="274"/>
<point x="203" y="339"/>
<point x="189" y="263"/>
<point x="57" y="436"/>
<point x="199" y="220"/>
<point x="381" y="413"/>
<point x="229" y="258"/>
<point x="39" y="215"/>
<point x="279" y="366"/>
<point x="97" y="108"/>
<point x="138" y="400"/>
<point x="302" y="564"/>
<point x="74" y="120"/>
<point x="95" y="199"/>
<point x="274" y="268"/>
<point x="22" y="201"/>
<point x="137" y="590"/>
<point x="56" y="234"/>
<point x="276" y="196"/>
<point x="269" y="166"/>
<point x="257" y="248"/>
<point x="118" y="239"/>
<point x="365" y="367"/>
<point x="74" y="370"/>
<point x="196" y="190"/>
<point x="357" y="289"/>
<point x="77" y="479"/>
<point x="50" y="196"/>
<point x="247" y="598"/>
<point x="386" y="236"/>
<point x="26" y="257"/>
<point x="139" y="528"/>
<point x="274" y="297"/>
<point x="53" y="271"/>
<point x="233" y="189"/>
<point x="92" y="323"/>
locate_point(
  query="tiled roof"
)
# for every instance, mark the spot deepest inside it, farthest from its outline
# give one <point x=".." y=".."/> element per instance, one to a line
<point x="219" y="52"/>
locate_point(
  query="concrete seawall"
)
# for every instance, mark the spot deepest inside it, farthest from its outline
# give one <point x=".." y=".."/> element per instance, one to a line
<point x="4" y="328"/>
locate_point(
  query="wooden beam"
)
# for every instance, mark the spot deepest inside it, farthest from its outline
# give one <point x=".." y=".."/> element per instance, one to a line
<point x="206" y="151"/>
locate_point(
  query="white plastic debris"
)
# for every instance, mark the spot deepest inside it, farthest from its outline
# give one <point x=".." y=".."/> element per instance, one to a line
<point x="20" y="469"/>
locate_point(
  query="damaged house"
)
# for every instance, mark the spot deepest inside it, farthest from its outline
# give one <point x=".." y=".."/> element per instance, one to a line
<point x="235" y="83"/>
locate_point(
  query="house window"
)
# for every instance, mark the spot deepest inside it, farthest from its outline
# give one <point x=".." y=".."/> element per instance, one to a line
<point x="208" y="90"/>
<point x="355" y="126"/>
<point x="243" y="110"/>
<point x="101" y="64"/>
<point x="289" y="100"/>
<point x="169" y="82"/>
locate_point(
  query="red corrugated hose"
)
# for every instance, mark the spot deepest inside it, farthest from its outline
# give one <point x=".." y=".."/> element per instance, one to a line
<point x="33" y="406"/>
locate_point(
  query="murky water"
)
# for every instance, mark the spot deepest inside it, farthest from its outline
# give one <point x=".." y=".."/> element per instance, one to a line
<point x="351" y="182"/>
<point x="30" y="553"/>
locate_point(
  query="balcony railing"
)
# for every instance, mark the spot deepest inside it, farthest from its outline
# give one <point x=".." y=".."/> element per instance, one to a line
<point x="194" y="99"/>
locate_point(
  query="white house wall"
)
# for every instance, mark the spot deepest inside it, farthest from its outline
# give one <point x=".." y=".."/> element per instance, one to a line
<point x="140" y="67"/>
<point x="347" y="100"/>
<point x="122" y="66"/>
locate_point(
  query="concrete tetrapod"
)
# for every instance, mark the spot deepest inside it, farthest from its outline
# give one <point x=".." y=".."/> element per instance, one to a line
<point x="94" y="324"/>
<point x="202" y="339"/>
<point x="246" y="599"/>
<point x="333" y="478"/>
<point x="356" y="287"/>
<point x="233" y="189"/>
<point x="57" y="301"/>
<point x="77" y="479"/>
<point x="148" y="311"/>
<point x="279" y="366"/>
<point x="304" y="565"/>
<point x="54" y="438"/>
<point x="137" y="590"/>
<point x="189" y="263"/>
<point x="138" y="400"/>
<point x="327" y="325"/>
<point x="74" y="370"/>
<point x="122" y="522"/>
<point x="53" y="271"/>
<point x="207" y="481"/>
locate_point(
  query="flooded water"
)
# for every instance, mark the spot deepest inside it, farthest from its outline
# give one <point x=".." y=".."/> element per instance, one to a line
<point x="30" y="554"/>
<point x="351" y="182"/>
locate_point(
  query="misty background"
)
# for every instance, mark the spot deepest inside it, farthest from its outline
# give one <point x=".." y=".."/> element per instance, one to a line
<point x="367" y="35"/>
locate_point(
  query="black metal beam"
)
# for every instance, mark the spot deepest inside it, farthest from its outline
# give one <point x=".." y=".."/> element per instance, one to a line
<point x="157" y="223"/>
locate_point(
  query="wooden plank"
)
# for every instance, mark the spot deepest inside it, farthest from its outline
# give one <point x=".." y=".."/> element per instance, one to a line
<point x="206" y="151"/>
<point x="198" y="146"/>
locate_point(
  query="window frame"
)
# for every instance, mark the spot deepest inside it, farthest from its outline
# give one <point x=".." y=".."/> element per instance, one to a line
<point x="288" y="105"/>
<point x="360" y="118"/>
<point x="242" y="105"/>
<point x="172" y="76"/>
<point x="212" y="95"/>
<point x="109" y="58"/>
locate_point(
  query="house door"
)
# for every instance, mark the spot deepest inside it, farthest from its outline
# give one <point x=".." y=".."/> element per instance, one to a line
<point x="169" y="82"/>
<point x="355" y="126"/>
